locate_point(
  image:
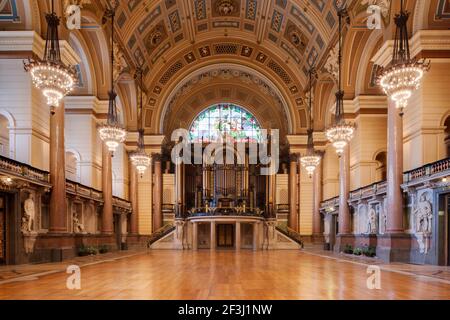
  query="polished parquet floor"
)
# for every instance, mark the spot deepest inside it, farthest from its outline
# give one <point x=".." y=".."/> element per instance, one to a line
<point x="226" y="275"/>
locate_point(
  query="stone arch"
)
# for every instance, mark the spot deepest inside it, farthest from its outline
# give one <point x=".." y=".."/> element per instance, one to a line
<point x="7" y="134"/>
<point x="88" y="78"/>
<point x="164" y="110"/>
<point x="380" y="157"/>
<point x="73" y="165"/>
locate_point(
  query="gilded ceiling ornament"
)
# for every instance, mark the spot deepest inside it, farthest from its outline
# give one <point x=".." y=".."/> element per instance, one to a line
<point x="226" y="7"/>
<point x="331" y="66"/>
<point x="295" y="37"/>
<point x="79" y="3"/>
<point x="384" y="5"/>
<point x="120" y="63"/>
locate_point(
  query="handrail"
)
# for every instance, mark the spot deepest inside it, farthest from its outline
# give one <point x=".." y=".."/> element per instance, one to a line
<point x="378" y="188"/>
<point x="24" y="170"/>
<point x="159" y="234"/>
<point x="291" y="234"/>
<point x="427" y="170"/>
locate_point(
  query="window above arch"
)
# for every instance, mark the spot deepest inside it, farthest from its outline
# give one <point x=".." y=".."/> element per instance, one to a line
<point x="225" y="121"/>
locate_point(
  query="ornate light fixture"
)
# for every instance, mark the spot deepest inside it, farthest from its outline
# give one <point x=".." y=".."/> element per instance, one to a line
<point x="311" y="159"/>
<point x="112" y="133"/>
<point x="341" y="133"/>
<point x="403" y="75"/>
<point x="51" y="75"/>
<point x="139" y="158"/>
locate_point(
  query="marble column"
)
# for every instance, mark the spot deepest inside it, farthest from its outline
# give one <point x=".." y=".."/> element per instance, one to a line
<point x="293" y="193"/>
<point x="179" y="188"/>
<point x="58" y="209"/>
<point x="195" y="236"/>
<point x="134" y="200"/>
<point x="394" y="170"/>
<point x="158" y="189"/>
<point x="344" y="192"/>
<point x="238" y="236"/>
<point x="213" y="236"/>
<point x="317" y="199"/>
<point x="107" y="215"/>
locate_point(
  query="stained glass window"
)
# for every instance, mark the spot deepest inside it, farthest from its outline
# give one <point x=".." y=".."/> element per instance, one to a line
<point x="223" y="121"/>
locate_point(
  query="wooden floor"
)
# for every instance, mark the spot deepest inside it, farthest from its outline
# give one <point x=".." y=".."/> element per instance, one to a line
<point x="226" y="275"/>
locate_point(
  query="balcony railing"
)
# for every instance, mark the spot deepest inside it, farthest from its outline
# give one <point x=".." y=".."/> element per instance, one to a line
<point x="370" y="191"/>
<point x="23" y="171"/>
<point x="427" y="171"/>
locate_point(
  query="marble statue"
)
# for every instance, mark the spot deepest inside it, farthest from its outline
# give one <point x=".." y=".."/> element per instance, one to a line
<point x="78" y="227"/>
<point x="424" y="215"/>
<point x="372" y="226"/>
<point x="29" y="213"/>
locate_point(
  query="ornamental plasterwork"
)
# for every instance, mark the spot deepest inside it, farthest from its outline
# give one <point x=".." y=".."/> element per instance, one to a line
<point x="384" y="5"/>
<point x="120" y="63"/>
<point x="331" y="65"/>
<point x="229" y="75"/>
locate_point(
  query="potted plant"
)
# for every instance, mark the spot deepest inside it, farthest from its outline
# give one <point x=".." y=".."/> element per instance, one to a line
<point x="348" y="249"/>
<point x="357" y="252"/>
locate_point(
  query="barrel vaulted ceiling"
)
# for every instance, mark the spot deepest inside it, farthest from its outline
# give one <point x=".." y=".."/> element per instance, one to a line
<point x="270" y="42"/>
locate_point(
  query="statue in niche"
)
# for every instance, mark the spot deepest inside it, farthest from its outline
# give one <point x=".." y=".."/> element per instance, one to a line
<point x="78" y="227"/>
<point x="383" y="228"/>
<point x="424" y="215"/>
<point x="372" y="226"/>
<point x="29" y="214"/>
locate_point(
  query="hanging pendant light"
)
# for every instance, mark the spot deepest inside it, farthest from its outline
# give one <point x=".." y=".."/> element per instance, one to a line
<point x="51" y="75"/>
<point x="112" y="133"/>
<point x="341" y="133"/>
<point x="403" y="75"/>
<point x="311" y="159"/>
<point x="139" y="158"/>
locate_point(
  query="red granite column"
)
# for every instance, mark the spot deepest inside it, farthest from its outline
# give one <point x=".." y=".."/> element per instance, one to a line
<point x="394" y="170"/>
<point x="157" y="198"/>
<point x="133" y="199"/>
<point x="107" y="216"/>
<point x="293" y="213"/>
<point x="344" y="191"/>
<point x="58" y="209"/>
<point x="317" y="199"/>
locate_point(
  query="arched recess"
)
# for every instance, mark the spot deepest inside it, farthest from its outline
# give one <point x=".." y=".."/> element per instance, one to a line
<point x="7" y="135"/>
<point x="446" y="125"/>
<point x="381" y="158"/>
<point x="292" y="117"/>
<point x="87" y="77"/>
<point x="96" y="47"/>
<point x="73" y="165"/>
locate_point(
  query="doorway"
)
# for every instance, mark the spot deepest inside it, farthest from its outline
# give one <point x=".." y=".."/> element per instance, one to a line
<point x="3" y="231"/>
<point x="225" y="236"/>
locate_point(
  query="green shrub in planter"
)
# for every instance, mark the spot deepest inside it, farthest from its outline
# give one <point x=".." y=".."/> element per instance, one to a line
<point x="84" y="251"/>
<point x="103" y="249"/>
<point x="370" y="252"/>
<point x="357" y="252"/>
<point x="348" y="249"/>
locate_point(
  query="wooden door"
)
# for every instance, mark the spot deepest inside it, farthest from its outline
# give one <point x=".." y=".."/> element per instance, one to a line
<point x="3" y="236"/>
<point x="225" y="236"/>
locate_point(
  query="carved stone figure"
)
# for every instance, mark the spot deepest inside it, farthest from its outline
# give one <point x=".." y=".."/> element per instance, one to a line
<point x="424" y="215"/>
<point x="384" y="6"/>
<point x="28" y="216"/>
<point x="78" y="227"/>
<point x="269" y="234"/>
<point x="372" y="226"/>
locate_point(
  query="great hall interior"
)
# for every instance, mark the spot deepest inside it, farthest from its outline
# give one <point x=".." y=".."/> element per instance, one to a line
<point x="333" y="117"/>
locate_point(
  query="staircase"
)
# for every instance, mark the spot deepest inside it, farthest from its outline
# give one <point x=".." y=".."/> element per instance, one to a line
<point x="159" y="234"/>
<point x="292" y="235"/>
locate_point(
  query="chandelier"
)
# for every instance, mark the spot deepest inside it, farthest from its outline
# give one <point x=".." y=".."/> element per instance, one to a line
<point x="111" y="132"/>
<point x="139" y="158"/>
<point x="403" y="75"/>
<point x="50" y="75"/>
<point x="311" y="159"/>
<point x="341" y="133"/>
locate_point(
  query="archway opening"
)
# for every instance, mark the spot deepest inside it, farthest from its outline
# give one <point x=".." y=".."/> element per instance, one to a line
<point x="4" y="137"/>
<point x="381" y="158"/>
<point x="447" y="136"/>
